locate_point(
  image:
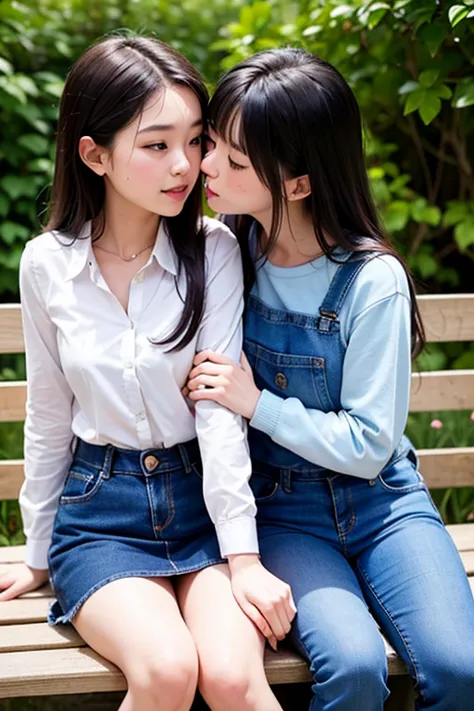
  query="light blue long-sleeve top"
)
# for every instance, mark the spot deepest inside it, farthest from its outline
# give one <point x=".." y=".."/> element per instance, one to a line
<point x="375" y="327"/>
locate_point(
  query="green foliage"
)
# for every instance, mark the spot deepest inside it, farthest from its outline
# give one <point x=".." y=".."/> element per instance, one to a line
<point x="410" y="63"/>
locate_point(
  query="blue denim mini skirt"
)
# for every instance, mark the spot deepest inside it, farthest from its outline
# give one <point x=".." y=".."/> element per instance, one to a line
<point x="128" y="513"/>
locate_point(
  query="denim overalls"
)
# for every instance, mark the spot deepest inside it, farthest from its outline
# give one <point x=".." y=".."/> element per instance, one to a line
<point x="346" y="544"/>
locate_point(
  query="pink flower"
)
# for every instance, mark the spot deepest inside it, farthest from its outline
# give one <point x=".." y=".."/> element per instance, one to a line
<point x="472" y="416"/>
<point x="436" y="425"/>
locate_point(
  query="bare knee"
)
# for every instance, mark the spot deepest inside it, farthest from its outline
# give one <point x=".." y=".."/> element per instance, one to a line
<point x="228" y="686"/>
<point x="168" y="680"/>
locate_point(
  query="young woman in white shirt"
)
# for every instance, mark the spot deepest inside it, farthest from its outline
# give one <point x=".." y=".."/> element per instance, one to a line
<point x="124" y="287"/>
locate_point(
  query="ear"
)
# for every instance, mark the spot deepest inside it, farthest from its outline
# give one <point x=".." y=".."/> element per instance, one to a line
<point x="94" y="156"/>
<point x="297" y="188"/>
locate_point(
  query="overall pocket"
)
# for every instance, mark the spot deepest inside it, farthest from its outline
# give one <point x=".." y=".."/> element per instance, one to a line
<point x="300" y="376"/>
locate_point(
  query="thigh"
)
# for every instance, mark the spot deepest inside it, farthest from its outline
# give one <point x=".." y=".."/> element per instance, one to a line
<point x="127" y="618"/>
<point x="225" y="637"/>
<point x="333" y="626"/>
<point x="417" y="588"/>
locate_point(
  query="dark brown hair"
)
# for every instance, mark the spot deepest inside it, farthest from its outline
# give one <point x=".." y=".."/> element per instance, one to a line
<point x="106" y="90"/>
<point x="293" y="114"/>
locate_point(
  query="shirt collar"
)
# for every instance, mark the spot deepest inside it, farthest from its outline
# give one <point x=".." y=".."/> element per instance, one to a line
<point x="81" y="251"/>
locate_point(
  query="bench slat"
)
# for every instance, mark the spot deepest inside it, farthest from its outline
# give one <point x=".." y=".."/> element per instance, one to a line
<point x="11" y="478"/>
<point x="29" y="610"/>
<point x="11" y="330"/>
<point x="447" y="467"/>
<point x="462" y="535"/>
<point x="81" y="670"/>
<point x="446" y="317"/>
<point x="436" y="390"/>
<point x="449" y="317"/>
<point x="38" y="635"/>
<point x="442" y="390"/>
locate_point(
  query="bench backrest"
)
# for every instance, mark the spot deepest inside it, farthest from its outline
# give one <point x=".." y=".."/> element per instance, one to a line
<point x="446" y="318"/>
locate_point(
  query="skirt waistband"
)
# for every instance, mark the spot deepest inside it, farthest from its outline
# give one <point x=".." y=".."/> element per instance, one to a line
<point x="113" y="460"/>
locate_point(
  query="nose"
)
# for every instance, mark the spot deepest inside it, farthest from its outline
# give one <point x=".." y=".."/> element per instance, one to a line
<point x="181" y="165"/>
<point x="208" y="165"/>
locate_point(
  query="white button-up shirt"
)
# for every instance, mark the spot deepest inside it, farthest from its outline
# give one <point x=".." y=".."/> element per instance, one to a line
<point x="93" y="373"/>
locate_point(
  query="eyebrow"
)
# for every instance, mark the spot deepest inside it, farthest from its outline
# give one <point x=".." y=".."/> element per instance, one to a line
<point x="167" y="126"/>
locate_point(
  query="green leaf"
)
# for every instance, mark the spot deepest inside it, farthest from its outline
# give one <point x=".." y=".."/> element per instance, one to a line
<point x="426" y="265"/>
<point x="376" y="12"/>
<point x="443" y="91"/>
<point x="10" y="87"/>
<point x="464" y="234"/>
<point x="10" y="231"/>
<point x="342" y="11"/>
<point x="34" y="143"/>
<point x="397" y="215"/>
<point x="433" y="37"/>
<point x="27" y="84"/>
<point x="428" y="77"/>
<point x="408" y="87"/>
<point x="19" y="186"/>
<point x="312" y="30"/>
<point x="4" y="205"/>
<point x="5" y="67"/>
<point x="430" y="108"/>
<point x="422" y="212"/>
<point x="414" y="101"/>
<point x="464" y="95"/>
<point x="456" y="212"/>
<point x="457" y="13"/>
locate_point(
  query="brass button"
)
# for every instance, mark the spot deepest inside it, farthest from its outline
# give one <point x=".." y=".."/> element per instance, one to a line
<point x="372" y="482"/>
<point x="151" y="462"/>
<point x="281" y="380"/>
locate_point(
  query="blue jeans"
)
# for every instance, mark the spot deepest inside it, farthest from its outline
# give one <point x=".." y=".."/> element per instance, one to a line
<point x="358" y="554"/>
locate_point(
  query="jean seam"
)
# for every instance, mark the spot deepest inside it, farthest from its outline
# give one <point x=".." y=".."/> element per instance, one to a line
<point x="395" y="626"/>
<point x="340" y="534"/>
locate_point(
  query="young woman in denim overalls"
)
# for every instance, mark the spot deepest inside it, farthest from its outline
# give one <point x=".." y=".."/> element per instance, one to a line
<point x="344" y="515"/>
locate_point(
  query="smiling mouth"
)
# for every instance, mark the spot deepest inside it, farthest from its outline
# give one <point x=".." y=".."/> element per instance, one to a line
<point x="179" y="189"/>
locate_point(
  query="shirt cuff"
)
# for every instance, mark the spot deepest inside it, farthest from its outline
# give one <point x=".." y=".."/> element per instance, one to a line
<point x="37" y="553"/>
<point x="238" y="535"/>
<point x="267" y="413"/>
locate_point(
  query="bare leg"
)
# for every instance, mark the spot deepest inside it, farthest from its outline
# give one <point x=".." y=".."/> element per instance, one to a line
<point x="136" y="624"/>
<point x="230" y="648"/>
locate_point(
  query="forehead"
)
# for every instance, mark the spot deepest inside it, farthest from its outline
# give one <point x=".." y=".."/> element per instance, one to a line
<point x="175" y="105"/>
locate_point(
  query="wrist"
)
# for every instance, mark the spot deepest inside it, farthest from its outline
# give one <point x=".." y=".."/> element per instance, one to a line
<point x="253" y="404"/>
<point x="242" y="560"/>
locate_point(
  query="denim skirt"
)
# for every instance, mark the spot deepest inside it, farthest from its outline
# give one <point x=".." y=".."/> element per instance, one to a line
<point x="128" y="513"/>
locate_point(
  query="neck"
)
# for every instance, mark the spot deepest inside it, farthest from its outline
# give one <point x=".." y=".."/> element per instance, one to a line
<point x="127" y="227"/>
<point x="296" y="242"/>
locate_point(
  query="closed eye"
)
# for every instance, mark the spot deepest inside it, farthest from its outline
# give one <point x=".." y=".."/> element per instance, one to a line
<point x="236" y="166"/>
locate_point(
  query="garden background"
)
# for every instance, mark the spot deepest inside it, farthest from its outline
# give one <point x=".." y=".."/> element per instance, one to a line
<point x="410" y="63"/>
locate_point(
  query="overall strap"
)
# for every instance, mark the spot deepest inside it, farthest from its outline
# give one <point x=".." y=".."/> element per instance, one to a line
<point x="341" y="284"/>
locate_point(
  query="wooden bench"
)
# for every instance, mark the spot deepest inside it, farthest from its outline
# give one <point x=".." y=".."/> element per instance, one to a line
<point x="38" y="660"/>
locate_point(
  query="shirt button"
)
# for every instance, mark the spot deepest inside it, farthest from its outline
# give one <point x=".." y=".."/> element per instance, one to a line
<point x="140" y="417"/>
<point x="281" y="380"/>
<point x="139" y="278"/>
<point x="128" y="364"/>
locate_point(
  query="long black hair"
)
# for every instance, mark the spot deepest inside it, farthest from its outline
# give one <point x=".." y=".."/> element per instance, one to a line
<point x="293" y="114"/>
<point x="105" y="90"/>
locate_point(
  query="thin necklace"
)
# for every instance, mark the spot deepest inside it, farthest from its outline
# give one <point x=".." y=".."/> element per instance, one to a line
<point x="125" y="259"/>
